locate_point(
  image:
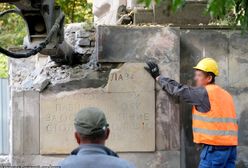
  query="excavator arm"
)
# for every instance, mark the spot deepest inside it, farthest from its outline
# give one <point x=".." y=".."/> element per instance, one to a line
<point x="45" y="25"/>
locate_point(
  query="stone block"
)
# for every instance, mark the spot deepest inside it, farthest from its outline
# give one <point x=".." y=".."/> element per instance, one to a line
<point x="196" y="44"/>
<point x="242" y="159"/>
<point x="17" y="109"/>
<point x="241" y="106"/>
<point x="25" y="124"/>
<point x="167" y="111"/>
<point x="137" y="44"/>
<point x="31" y="123"/>
<point x="143" y="16"/>
<point x="128" y="101"/>
<point x="84" y="42"/>
<point x="191" y="14"/>
<point x="34" y="160"/>
<point x="82" y="34"/>
<point x="159" y="159"/>
<point x="238" y="60"/>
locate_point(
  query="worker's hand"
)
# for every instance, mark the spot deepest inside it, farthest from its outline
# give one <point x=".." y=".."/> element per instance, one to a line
<point x="153" y="69"/>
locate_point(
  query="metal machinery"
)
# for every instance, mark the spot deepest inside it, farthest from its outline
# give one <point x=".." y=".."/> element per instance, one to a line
<point x="45" y="25"/>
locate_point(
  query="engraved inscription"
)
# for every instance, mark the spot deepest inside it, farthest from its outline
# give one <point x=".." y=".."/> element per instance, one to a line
<point x="130" y="113"/>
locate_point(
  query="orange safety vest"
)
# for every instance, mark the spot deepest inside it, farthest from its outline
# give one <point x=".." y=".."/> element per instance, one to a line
<point x="219" y="125"/>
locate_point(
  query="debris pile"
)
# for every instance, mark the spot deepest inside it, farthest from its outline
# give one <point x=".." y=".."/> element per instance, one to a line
<point x="53" y="74"/>
<point x="82" y="38"/>
<point x="27" y="76"/>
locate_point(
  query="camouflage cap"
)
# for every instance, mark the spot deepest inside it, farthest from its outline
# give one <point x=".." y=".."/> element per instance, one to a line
<point x="89" y="121"/>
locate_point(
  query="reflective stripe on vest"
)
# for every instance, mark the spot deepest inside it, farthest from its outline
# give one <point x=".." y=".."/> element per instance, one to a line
<point x="222" y="120"/>
<point x="215" y="132"/>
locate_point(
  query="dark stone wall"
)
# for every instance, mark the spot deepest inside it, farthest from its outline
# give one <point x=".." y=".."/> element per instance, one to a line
<point x="230" y="49"/>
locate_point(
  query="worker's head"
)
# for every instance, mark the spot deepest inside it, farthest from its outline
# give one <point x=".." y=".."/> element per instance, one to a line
<point x="205" y="72"/>
<point x="91" y="126"/>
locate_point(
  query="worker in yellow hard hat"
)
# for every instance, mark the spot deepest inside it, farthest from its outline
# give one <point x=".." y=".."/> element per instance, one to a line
<point x="213" y="115"/>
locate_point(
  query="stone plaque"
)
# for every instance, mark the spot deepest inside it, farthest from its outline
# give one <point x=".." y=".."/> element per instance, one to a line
<point x="128" y="101"/>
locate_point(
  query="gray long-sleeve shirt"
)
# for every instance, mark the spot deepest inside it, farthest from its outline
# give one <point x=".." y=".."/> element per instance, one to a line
<point x="196" y="96"/>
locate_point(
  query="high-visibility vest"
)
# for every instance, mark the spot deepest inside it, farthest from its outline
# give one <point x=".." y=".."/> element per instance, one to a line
<point x="219" y="125"/>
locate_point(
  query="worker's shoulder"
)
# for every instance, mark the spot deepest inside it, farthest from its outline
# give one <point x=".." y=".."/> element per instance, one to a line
<point x="77" y="161"/>
<point x="221" y="90"/>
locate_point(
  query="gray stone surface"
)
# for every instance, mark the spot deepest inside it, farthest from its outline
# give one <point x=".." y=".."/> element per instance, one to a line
<point x="238" y="60"/>
<point x="160" y="159"/>
<point x="83" y="42"/>
<point x="5" y="160"/>
<point x="137" y="44"/>
<point x="25" y="124"/>
<point x="144" y="16"/>
<point x="19" y="70"/>
<point x="17" y="106"/>
<point x="167" y="112"/>
<point x="196" y="44"/>
<point x="242" y="159"/>
<point x="31" y="123"/>
<point x="241" y="102"/>
<point x="36" y="160"/>
<point x="191" y="14"/>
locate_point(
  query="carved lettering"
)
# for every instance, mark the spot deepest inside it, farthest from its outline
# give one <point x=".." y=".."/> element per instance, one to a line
<point x="130" y="112"/>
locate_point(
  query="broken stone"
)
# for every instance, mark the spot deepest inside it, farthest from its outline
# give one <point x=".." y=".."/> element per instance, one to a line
<point x="82" y="34"/>
<point x="84" y="51"/>
<point x="40" y="83"/>
<point x="84" y="42"/>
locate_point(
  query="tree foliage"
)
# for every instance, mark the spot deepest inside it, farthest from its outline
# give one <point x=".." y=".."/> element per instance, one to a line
<point x="235" y="11"/>
<point x="12" y="32"/>
<point x="13" y="28"/>
<point x="76" y="10"/>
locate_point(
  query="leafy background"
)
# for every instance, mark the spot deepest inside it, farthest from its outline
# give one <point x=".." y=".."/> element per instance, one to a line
<point x="13" y="28"/>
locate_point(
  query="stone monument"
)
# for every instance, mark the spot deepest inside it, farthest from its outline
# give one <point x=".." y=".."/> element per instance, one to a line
<point x="128" y="101"/>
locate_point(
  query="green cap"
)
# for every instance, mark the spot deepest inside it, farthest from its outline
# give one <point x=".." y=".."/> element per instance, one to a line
<point x="89" y="121"/>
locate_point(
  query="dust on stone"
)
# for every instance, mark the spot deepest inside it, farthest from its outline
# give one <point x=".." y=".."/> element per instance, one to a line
<point x="53" y="74"/>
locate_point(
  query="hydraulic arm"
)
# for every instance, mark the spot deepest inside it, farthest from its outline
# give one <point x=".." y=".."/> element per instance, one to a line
<point x="45" y="25"/>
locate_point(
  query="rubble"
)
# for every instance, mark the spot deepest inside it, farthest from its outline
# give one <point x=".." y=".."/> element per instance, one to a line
<point x="53" y="74"/>
<point x="31" y="74"/>
<point x="81" y="37"/>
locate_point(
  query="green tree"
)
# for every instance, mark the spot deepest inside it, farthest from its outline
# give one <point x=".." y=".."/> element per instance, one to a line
<point x="13" y="28"/>
<point x="235" y="11"/>
<point x="76" y="11"/>
<point x="12" y="32"/>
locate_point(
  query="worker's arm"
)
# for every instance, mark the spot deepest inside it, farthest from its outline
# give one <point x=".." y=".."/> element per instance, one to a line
<point x="196" y="96"/>
<point x="192" y="95"/>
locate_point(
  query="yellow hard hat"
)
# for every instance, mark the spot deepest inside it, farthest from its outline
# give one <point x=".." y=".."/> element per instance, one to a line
<point x="208" y="65"/>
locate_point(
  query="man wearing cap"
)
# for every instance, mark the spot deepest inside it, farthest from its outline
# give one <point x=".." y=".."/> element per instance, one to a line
<point x="91" y="133"/>
<point x="214" y="118"/>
